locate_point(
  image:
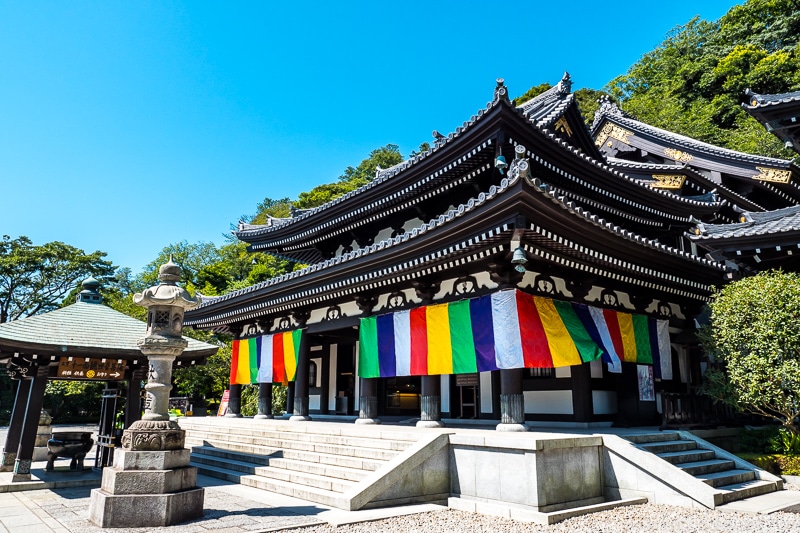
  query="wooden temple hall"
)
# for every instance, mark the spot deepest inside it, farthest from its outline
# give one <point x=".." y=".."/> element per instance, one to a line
<point x="524" y="269"/>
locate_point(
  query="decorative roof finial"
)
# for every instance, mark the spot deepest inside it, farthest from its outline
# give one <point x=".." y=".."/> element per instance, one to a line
<point x="607" y="107"/>
<point x="90" y="293"/>
<point x="565" y="85"/>
<point x="500" y="92"/>
<point x="169" y="273"/>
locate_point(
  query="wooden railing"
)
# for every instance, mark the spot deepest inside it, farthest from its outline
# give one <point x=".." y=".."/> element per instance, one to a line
<point x="692" y="410"/>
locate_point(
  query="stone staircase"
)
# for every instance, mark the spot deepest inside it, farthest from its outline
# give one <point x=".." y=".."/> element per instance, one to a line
<point x="731" y="478"/>
<point x="310" y="461"/>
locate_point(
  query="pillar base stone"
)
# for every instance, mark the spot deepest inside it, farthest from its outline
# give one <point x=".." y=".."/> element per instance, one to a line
<point x="430" y="424"/>
<point x="263" y="417"/>
<point x="233" y="415"/>
<point x="299" y="418"/>
<point x="512" y="427"/>
<point x="367" y="421"/>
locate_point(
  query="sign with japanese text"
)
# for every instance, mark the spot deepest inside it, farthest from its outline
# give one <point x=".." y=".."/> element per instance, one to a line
<point x="91" y="368"/>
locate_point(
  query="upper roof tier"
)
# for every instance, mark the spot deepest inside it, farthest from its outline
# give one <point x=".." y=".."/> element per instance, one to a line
<point x="767" y="182"/>
<point x="423" y="187"/>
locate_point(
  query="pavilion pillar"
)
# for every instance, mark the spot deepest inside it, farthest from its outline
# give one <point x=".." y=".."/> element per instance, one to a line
<point x="234" y="402"/>
<point x="368" y="402"/>
<point x="431" y="403"/>
<point x="300" y="404"/>
<point x="264" y="401"/>
<point x="15" y="426"/>
<point x="133" y="397"/>
<point x="27" y="441"/>
<point x="512" y="402"/>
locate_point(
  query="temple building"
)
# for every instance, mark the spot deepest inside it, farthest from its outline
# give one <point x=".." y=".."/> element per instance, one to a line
<point x="525" y="269"/>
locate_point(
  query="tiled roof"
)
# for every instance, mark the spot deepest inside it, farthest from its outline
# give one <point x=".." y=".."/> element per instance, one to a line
<point x="763" y="100"/>
<point x="86" y="327"/>
<point x="444" y="219"/>
<point x="763" y="223"/>
<point x="732" y="196"/>
<point x="382" y="175"/>
<point x="546" y="107"/>
<point x="612" y="113"/>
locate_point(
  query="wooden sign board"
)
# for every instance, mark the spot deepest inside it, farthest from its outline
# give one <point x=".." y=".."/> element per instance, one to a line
<point x="466" y="380"/>
<point x="91" y="368"/>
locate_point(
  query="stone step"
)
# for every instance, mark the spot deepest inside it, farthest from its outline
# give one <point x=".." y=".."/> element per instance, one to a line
<point x="305" y="479"/>
<point x="361" y="463"/>
<point x="748" y="489"/>
<point x="699" y="468"/>
<point x="284" y="444"/>
<point x="653" y="437"/>
<point x="729" y="477"/>
<point x="250" y="458"/>
<point x="311" y="494"/>
<point x="227" y="464"/>
<point x="690" y="456"/>
<point x="319" y="469"/>
<point x="217" y="472"/>
<point x="252" y="435"/>
<point x="673" y="446"/>
<point x="312" y="430"/>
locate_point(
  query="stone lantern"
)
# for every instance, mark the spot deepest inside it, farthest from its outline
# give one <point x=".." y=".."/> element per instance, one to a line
<point x="151" y="482"/>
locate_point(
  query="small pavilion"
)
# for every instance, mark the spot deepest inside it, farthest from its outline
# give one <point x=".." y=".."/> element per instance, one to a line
<point x="83" y="341"/>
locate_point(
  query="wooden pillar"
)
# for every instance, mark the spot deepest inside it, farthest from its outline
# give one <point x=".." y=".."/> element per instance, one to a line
<point x="368" y="402"/>
<point x="300" y="404"/>
<point x="582" y="407"/>
<point x="15" y="426"/>
<point x="133" y="397"/>
<point x="431" y="403"/>
<point x="264" y="401"/>
<point x="22" y="463"/>
<point x="325" y="389"/>
<point x="512" y="402"/>
<point x="234" y="402"/>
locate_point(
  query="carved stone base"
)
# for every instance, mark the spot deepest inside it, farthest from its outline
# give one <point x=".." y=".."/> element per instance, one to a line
<point x="263" y="417"/>
<point x="153" y="435"/>
<point x="22" y="470"/>
<point x="147" y="489"/>
<point x="145" y="510"/>
<point x="8" y="460"/>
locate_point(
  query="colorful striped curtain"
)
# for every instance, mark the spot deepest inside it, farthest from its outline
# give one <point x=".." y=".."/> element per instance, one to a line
<point x="265" y="359"/>
<point x="507" y="329"/>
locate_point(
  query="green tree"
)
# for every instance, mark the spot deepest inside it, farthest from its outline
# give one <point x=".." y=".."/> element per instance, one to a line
<point x="207" y="381"/>
<point x="693" y="83"/>
<point x="35" y="279"/>
<point x="352" y="178"/>
<point x="754" y="332"/>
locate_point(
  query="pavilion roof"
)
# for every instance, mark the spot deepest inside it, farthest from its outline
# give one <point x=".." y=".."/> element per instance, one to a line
<point x="86" y="329"/>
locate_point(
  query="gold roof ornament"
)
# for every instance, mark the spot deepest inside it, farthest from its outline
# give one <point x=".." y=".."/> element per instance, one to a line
<point x="668" y="181"/>
<point x="614" y="132"/>
<point x="774" y="175"/>
<point x="677" y="155"/>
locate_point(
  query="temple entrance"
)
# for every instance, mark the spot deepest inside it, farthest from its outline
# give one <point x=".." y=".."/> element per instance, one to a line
<point x="400" y="396"/>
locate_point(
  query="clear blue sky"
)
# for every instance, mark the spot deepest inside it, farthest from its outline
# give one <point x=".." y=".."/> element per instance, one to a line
<point x="130" y="125"/>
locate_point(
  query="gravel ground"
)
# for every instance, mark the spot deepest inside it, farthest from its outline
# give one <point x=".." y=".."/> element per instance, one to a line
<point x="635" y="518"/>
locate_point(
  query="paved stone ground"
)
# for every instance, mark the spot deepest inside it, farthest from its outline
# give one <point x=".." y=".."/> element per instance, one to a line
<point x="228" y="508"/>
